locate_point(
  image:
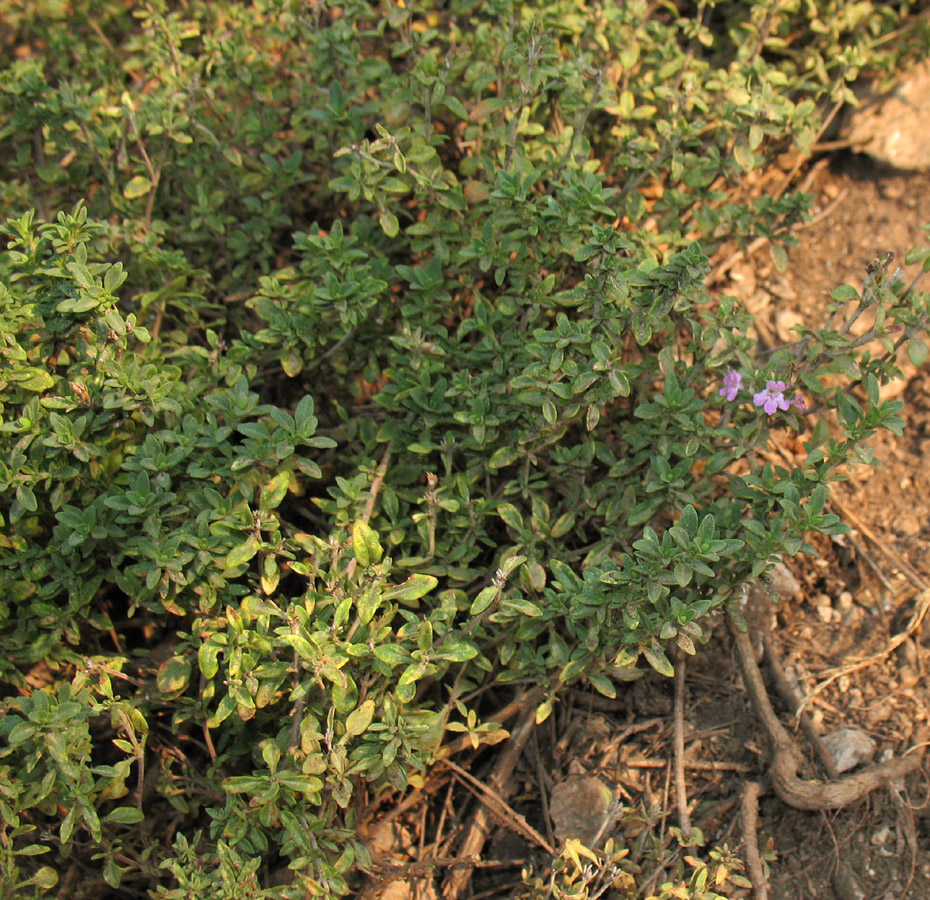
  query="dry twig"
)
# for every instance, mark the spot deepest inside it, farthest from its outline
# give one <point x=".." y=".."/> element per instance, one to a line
<point x="457" y="882"/>
<point x="884" y="546"/>
<point x="499" y="807"/>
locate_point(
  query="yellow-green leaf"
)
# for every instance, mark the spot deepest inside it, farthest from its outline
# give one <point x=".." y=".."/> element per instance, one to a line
<point x="365" y="543"/>
<point x="46" y="878"/>
<point x="357" y="722"/>
<point x="543" y="711"/>
<point x="275" y="490"/>
<point x="173" y="675"/>
<point x="125" y="815"/>
<point x="240" y="555"/>
<point x="32" y="379"/>
<point x="389" y="224"/>
<point x="412" y="589"/>
<point x="137" y="187"/>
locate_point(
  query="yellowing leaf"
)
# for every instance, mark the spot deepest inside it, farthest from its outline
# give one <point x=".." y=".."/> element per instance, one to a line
<point x="240" y="555"/>
<point x="137" y="187"/>
<point x="543" y="711"/>
<point x="365" y="543"/>
<point x="412" y="589"/>
<point x="173" y="675"/>
<point x="357" y="722"/>
<point x="389" y="224"/>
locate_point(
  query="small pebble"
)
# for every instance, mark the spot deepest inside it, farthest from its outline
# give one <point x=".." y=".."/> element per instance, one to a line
<point x="783" y="580"/>
<point x="846" y="885"/>
<point x="849" y="747"/>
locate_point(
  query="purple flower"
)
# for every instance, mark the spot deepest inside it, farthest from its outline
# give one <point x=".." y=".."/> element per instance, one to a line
<point x="799" y="403"/>
<point x="773" y="397"/>
<point x="732" y="382"/>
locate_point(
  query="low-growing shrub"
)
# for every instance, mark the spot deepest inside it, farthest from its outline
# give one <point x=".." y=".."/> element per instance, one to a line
<point x="362" y="358"/>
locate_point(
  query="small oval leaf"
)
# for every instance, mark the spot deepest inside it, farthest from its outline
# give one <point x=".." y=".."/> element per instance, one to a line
<point x="137" y="187"/>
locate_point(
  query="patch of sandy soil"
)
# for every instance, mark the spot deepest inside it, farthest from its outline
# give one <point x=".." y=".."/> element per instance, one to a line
<point x="861" y="590"/>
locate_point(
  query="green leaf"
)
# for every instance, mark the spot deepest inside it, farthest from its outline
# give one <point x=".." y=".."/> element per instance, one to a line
<point x="522" y="606"/>
<point x="779" y="257"/>
<point x="563" y="525"/>
<point x="844" y="293"/>
<point x="848" y="366"/>
<point x="367" y="603"/>
<point x="412" y="674"/>
<point x="744" y="157"/>
<point x="245" y="784"/>
<point x="602" y="684"/>
<point x="66" y="828"/>
<point x="32" y="850"/>
<point x="114" y="277"/>
<point x="242" y="553"/>
<point x="27" y="498"/>
<point x="91" y="820"/>
<point x="917" y="351"/>
<point x="124" y="815"/>
<point x="303" y="647"/>
<point x="389" y="224"/>
<point x="46" y="878"/>
<point x="511" y="515"/>
<point x="31" y="379"/>
<point x="457" y="650"/>
<point x="274" y="491"/>
<point x="207" y="659"/>
<point x="112" y="873"/>
<point x="503" y="456"/>
<point x="455" y="106"/>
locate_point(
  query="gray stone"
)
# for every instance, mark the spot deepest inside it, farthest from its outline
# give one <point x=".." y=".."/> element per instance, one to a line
<point x="849" y="747"/>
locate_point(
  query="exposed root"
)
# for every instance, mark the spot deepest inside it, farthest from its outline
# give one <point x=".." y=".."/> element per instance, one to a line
<point x="750" y="816"/>
<point x="785" y="761"/>
<point x="681" y="788"/>
<point x="789" y="697"/>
